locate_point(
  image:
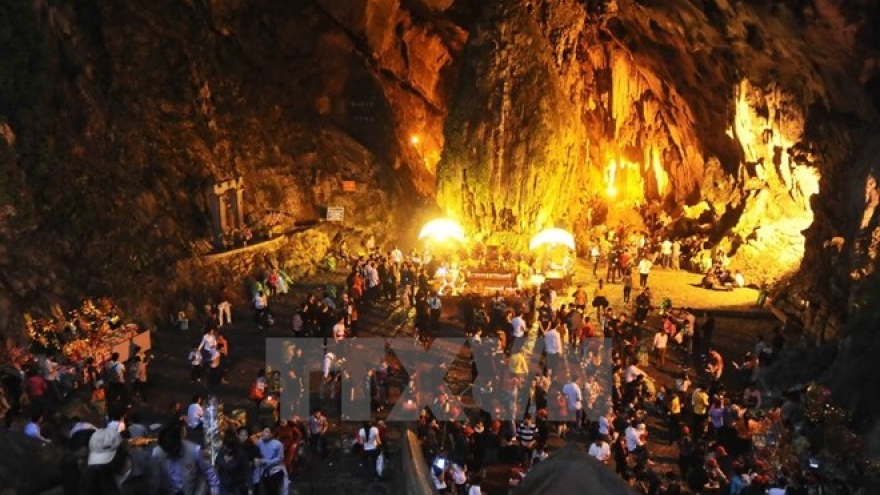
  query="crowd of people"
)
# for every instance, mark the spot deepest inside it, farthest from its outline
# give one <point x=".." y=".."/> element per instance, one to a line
<point x="564" y="365"/>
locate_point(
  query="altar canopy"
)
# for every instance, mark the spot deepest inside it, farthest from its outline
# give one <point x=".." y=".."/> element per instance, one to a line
<point x="442" y="229"/>
<point x="552" y="237"/>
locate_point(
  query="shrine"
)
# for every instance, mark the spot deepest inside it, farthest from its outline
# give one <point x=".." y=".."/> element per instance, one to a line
<point x="226" y="206"/>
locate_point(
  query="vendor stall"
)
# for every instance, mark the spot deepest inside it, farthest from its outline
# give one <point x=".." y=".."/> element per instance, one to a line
<point x="94" y="330"/>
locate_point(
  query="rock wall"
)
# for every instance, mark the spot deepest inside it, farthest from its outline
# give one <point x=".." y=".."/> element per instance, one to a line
<point x="199" y="280"/>
<point x="718" y="113"/>
<point x="511" y="142"/>
<point x="117" y="118"/>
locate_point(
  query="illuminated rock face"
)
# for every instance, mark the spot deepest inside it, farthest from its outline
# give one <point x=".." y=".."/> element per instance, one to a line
<point x="564" y="113"/>
<point x="719" y="116"/>
<point x="514" y="141"/>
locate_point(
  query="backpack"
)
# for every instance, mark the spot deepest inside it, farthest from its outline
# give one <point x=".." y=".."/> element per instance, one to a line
<point x="256" y="392"/>
<point x="110" y="374"/>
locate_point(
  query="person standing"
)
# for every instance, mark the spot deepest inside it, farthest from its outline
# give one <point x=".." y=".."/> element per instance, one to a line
<point x="436" y="308"/>
<point x="139" y="377"/>
<point x="368" y="437"/>
<point x="661" y="339"/>
<point x="676" y="255"/>
<point x="223" y="350"/>
<point x="115" y="377"/>
<point x="318" y="427"/>
<point x="635" y="443"/>
<point x="526" y="433"/>
<point x="269" y="465"/>
<point x="261" y="306"/>
<point x="666" y="253"/>
<point x="674" y="408"/>
<point x="36" y="390"/>
<point x="579" y="299"/>
<point x="627" y="280"/>
<point x="177" y="466"/>
<point x="224" y="307"/>
<point x="210" y="355"/>
<point x="553" y="348"/>
<point x="600" y="299"/>
<point x="574" y="401"/>
<point x="233" y="468"/>
<point x="350" y="312"/>
<point x="699" y="408"/>
<point x="339" y="330"/>
<point x="257" y="392"/>
<point x="644" y="270"/>
<point x="195" y="361"/>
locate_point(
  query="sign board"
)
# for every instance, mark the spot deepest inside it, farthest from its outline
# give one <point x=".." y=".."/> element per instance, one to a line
<point x="335" y="213"/>
<point x="349" y="186"/>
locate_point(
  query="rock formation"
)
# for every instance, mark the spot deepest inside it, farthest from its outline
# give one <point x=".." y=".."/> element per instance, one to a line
<point x="675" y="103"/>
<point x="116" y="119"/>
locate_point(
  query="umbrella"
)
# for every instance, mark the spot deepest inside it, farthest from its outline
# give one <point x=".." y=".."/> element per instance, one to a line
<point x="442" y="229"/>
<point x="552" y="236"/>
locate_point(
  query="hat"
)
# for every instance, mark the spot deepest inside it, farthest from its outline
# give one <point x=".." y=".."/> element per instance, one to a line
<point x="103" y="446"/>
<point x="719" y="451"/>
<point x="711" y="463"/>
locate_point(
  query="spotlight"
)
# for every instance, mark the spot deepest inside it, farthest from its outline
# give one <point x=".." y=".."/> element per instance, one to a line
<point x="612" y="191"/>
<point x="414" y="139"/>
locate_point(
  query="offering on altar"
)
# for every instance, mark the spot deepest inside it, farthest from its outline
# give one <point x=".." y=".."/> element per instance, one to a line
<point x="92" y="330"/>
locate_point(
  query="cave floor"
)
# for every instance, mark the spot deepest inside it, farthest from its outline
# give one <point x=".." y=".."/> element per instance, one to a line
<point x="738" y="323"/>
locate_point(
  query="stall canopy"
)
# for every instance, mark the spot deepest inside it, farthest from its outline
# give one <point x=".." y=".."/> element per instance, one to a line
<point x="442" y="229"/>
<point x="553" y="237"/>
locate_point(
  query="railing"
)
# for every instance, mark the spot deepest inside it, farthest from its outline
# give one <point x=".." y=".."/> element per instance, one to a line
<point x="416" y="478"/>
<point x="263" y="244"/>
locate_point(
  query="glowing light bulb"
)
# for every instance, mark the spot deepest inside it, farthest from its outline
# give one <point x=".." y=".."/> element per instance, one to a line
<point x="414" y="140"/>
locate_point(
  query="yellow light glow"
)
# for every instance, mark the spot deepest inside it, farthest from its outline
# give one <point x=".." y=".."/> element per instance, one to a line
<point x="552" y="237"/>
<point x="660" y="175"/>
<point x="611" y="173"/>
<point x="442" y="229"/>
<point x="611" y="191"/>
<point x="414" y="139"/>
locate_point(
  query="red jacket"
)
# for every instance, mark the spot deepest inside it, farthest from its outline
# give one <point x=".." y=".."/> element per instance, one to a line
<point x="35" y="386"/>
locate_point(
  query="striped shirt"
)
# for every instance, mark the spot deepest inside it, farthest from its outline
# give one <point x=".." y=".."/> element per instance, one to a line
<point x="526" y="432"/>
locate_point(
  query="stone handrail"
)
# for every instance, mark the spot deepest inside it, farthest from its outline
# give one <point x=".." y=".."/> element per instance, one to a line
<point x="268" y="243"/>
<point x="416" y="478"/>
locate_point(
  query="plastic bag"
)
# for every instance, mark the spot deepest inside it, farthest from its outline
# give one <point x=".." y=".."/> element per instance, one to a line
<point x="380" y="464"/>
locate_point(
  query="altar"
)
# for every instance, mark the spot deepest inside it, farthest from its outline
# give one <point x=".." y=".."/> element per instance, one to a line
<point x="489" y="281"/>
